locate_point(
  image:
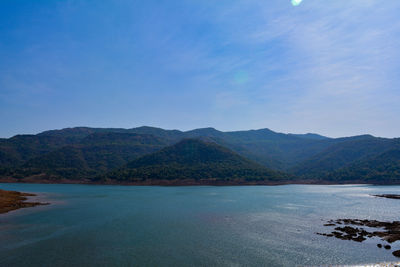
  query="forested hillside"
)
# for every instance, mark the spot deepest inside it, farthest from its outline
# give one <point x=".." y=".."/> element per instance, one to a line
<point x="193" y="159"/>
<point x="83" y="153"/>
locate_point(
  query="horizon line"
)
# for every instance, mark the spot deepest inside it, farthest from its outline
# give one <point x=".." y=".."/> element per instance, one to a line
<point x="200" y="128"/>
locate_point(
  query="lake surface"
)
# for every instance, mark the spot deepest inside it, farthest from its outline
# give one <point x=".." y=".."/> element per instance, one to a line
<point x="92" y="225"/>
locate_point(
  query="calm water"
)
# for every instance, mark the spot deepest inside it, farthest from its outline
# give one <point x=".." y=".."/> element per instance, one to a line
<point x="186" y="226"/>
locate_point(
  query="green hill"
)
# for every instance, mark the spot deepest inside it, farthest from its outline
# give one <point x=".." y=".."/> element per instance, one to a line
<point x="381" y="169"/>
<point x="343" y="153"/>
<point x="20" y="148"/>
<point x="83" y="152"/>
<point x="95" y="154"/>
<point x="193" y="159"/>
<point x="274" y="150"/>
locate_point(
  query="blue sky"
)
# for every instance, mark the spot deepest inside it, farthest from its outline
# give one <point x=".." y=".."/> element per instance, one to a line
<point x="331" y="67"/>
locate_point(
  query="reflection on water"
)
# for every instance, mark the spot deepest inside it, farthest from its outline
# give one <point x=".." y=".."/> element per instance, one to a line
<point x="240" y="225"/>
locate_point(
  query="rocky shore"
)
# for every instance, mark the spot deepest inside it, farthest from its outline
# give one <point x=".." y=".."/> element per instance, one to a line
<point x="12" y="200"/>
<point x="354" y="230"/>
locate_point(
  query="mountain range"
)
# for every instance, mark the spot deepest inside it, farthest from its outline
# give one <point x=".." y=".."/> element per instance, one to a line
<point x="149" y="155"/>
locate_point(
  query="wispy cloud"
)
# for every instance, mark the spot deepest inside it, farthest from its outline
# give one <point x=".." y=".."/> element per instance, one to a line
<point x="323" y="66"/>
<point x="328" y="66"/>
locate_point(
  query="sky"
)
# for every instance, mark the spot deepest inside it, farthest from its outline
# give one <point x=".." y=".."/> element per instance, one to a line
<point x="330" y="67"/>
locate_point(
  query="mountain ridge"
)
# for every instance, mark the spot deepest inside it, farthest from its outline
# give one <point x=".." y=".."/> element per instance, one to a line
<point x="95" y="151"/>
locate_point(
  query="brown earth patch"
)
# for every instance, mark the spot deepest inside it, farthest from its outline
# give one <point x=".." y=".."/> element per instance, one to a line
<point x="12" y="200"/>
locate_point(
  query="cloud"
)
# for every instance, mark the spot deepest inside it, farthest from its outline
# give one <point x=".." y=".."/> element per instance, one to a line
<point x="324" y="66"/>
<point x="329" y="65"/>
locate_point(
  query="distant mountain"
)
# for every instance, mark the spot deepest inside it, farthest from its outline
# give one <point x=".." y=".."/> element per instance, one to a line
<point x="170" y="136"/>
<point x="381" y="169"/>
<point x="115" y="138"/>
<point x="342" y="153"/>
<point x="78" y="133"/>
<point x="94" y="154"/>
<point x="196" y="160"/>
<point x="274" y="150"/>
<point x="311" y="136"/>
<point x="82" y="153"/>
<point x="20" y="148"/>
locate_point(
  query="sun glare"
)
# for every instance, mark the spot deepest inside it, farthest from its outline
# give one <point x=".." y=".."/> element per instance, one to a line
<point x="296" y="2"/>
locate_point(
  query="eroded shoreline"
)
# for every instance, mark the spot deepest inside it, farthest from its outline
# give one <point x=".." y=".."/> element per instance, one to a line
<point x="13" y="200"/>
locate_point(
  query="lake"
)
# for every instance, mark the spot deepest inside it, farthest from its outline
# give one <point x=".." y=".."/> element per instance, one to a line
<point x="94" y="225"/>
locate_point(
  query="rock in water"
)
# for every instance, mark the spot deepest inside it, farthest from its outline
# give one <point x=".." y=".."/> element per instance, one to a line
<point x="396" y="253"/>
<point x="393" y="196"/>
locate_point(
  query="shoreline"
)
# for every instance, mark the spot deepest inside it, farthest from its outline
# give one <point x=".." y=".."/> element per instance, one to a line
<point x="14" y="200"/>
<point x="186" y="182"/>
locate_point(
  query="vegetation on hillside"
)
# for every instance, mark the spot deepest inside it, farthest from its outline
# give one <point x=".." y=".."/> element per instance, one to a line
<point x="343" y="154"/>
<point x="93" y="155"/>
<point x="194" y="159"/>
<point x="382" y="169"/>
<point x="83" y="153"/>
